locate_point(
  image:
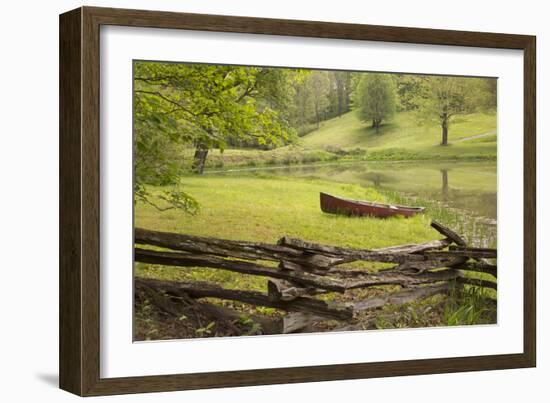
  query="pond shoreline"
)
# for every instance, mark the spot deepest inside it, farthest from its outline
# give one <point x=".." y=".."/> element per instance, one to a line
<point x="460" y="194"/>
<point x="236" y="168"/>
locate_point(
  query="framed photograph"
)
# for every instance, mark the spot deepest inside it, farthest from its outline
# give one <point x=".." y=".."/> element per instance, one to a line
<point x="248" y="201"/>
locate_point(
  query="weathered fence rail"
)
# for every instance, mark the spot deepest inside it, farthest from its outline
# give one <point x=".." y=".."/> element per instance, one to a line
<point x="307" y="269"/>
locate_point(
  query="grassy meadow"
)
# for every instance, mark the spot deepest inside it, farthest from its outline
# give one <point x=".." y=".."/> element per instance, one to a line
<point x="268" y="207"/>
<point x="265" y="209"/>
<point x="252" y="148"/>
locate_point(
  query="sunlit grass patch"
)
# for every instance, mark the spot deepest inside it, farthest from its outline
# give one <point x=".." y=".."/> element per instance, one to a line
<point x="267" y="208"/>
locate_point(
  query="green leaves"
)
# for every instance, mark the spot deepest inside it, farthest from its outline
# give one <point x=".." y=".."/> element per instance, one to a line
<point x="170" y="199"/>
<point x="375" y="97"/>
<point x="442" y="99"/>
<point x="210" y="103"/>
<point x="177" y="105"/>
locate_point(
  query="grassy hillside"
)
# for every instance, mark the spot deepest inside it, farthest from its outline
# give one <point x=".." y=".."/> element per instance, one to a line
<point x="347" y="138"/>
<point x="402" y="131"/>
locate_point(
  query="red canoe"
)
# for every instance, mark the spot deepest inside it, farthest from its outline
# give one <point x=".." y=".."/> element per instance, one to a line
<point x="337" y="205"/>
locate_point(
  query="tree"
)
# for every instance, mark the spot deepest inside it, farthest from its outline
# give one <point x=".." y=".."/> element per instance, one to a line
<point x="319" y="84"/>
<point x="204" y="105"/>
<point x="442" y="99"/>
<point x="210" y="102"/>
<point x="302" y="108"/>
<point x="309" y="101"/>
<point x="272" y="89"/>
<point x="408" y="88"/>
<point x="375" y="98"/>
<point x="484" y="94"/>
<point x="340" y="90"/>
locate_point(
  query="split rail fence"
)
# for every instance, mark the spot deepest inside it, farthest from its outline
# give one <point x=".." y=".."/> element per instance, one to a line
<point x="304" y="270"/>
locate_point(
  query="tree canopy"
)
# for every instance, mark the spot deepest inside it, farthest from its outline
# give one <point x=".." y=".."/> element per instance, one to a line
<point x="205" y="105"/>
<point x="442" y="99"/>
<point x="376" y="98"/>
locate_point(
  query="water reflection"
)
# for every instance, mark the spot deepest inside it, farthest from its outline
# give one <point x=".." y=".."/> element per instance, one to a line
<point x="467" y="186"/>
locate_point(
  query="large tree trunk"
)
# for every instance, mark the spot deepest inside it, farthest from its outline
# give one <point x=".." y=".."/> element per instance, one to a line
<point x="444" y="132"/>
<point x="199" y="159"/>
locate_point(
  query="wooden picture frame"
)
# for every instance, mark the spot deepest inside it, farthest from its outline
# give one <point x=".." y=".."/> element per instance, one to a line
<point x="80" y="199"/>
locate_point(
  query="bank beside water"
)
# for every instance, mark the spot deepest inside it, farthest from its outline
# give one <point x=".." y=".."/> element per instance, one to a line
<point x="347" y="139"/>
<point x="461" y="194"/>
<point x="265" y="204"/>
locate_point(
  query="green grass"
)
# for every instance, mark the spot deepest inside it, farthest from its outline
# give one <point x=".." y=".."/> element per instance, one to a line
<point x="264" y="208"/>
<point x="267" y="208"/>
<point x="485" y="139"/>
<point x="347" y="138"/>
<point x="283" y="156"/>
<point x="266" y="205"/>
<point x="470" y="306"/>
<point x="402" y="131"/>
<point x="471" y="186"/>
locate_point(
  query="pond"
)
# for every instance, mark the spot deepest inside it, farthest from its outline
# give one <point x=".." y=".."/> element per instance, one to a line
<point x="460" y="194"/>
